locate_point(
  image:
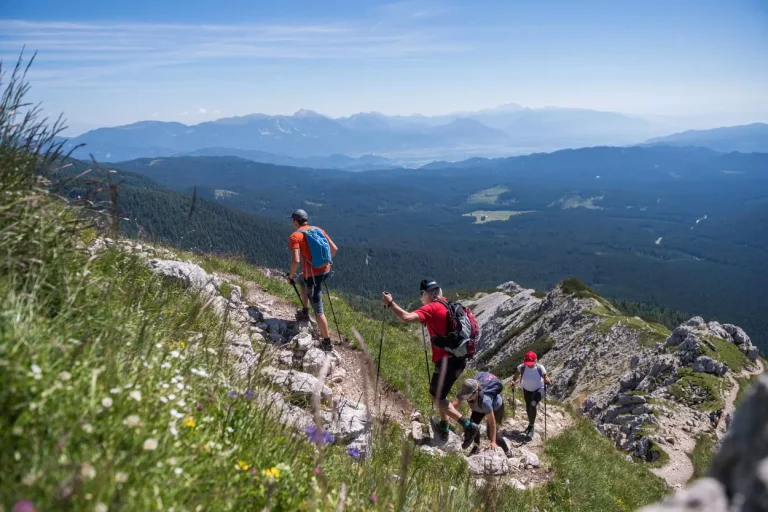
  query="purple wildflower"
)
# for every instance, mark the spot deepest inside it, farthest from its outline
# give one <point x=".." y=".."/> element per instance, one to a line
<point x="353" y="452"/>
<point x="24" y="506"/>
<point x="318" y="470"/>
<point x="232" y="394"/>
<point x="374" y="498"/>
<point x="199" y="406"/>
<point x="324" y="437"/>
<point x="249" y="394"/>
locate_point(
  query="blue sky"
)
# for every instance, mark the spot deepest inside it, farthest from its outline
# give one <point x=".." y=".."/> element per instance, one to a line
<point x="106" y="63"/>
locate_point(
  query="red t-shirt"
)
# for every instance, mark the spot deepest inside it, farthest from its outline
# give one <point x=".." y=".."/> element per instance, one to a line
<point x="435" y="316"/>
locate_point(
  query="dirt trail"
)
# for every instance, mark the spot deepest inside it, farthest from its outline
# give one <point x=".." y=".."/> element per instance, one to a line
<point x="393" y="405"/>
<point x="679" y="470"/>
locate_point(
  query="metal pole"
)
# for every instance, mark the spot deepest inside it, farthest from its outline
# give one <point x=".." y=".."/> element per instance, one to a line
<point x="378" y="362"/>
<point x="426" y="362"/>
<point x="327" y="292"/>
<point x="545" y="412"/>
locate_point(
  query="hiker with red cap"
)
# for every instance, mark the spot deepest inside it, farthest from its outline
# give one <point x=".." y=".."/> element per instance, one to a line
<point x="534" y="377"/>
<point x="435" y="313"/>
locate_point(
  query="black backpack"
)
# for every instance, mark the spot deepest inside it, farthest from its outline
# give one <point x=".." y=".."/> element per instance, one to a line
<point x="462" y="330"/>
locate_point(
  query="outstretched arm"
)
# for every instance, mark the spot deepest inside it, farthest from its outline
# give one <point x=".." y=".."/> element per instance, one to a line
<point x="400" y="313"/>
<point x="295" y="259"/>
<point x="491" y="419"/>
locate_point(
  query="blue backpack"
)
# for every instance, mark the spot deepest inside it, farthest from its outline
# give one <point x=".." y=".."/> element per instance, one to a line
<point x="489" y="384"/>
<point x="319" y="248"/>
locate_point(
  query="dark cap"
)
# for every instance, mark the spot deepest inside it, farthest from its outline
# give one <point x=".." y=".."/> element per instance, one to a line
<point x="428" y="284"/>
<point x="299" y="215"/>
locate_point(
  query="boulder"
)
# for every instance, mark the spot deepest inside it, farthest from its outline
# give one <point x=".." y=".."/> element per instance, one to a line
<point x="705" y="364"/>
<point x="298" y="385"/>
<point x="696" y="321"/>
<point x="489" y="462"/>
<point x="630" y="380"/>
<point x="642" y="409"/>
<point x="705" y="495"/>
<point x="190" y="276"/>
<point x="419" y="432"/>
<point x="625" y="399"/>
<point x="679" y="334"/>
<point x="739" y="336"/>
<point x="314" y="360"/>
<point x="302" y="342"/>
<point x="752" y="353"/>
<point x="515" y="484"/>
<point x="450" y="445"/>
<point x="718" y="330"/>
<point x="530" y="459"/>
<point x="348" y="421"/>
<point x="634" y="361"/>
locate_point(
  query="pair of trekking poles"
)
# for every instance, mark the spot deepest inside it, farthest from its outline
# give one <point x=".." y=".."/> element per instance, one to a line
<point x="514" y="407"/>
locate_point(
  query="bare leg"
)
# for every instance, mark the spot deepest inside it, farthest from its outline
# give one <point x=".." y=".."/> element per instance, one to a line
<point x="304" y="297"/>
<point x="322" y="324"/>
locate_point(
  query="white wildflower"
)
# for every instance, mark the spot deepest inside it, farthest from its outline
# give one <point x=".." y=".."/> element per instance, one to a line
<point x="100" y="507"/>
<point x="211" y="350"/>
<point x="17" y="430"/>
<point x="128" y="386"/>
<point x="150" y="444"/>
<point x="165" y="365"/>
<point x="87" y="471"/>
<point x="163" y="399"/>
<point x="106" y="402"/>
<point x="29" y="479"/>
<point x="230" y="429"/>
<point x="175" y="353"/>
<point x="176" y="414"/>
<point x="121" y="477"/>
<point x="132" y="421"/>
<point x="158" y="345"/>
<point x="181" y="403"/>
<point x="37" y="373"/>
<point x="178" y="471"/>
<point x="174" y="431"/>
<point x="180" y="386"/>
<point x="88" y="428"/>
<point x="136" y="395"/>
<point x="201" y="373"/>
<point x="65" y="376"/>
<point x="171" y="397"/>
<point x="166" y="385"/>
<point x="16" y="456"/>
<point x="115" y="391"/>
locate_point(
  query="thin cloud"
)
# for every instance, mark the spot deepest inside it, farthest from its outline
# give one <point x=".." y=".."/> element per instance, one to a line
<point x="202" y="110"/>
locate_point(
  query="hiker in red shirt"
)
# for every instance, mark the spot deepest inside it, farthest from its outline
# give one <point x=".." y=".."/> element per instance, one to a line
<point x="313" y="277"/>
<point x="434" y="314"/>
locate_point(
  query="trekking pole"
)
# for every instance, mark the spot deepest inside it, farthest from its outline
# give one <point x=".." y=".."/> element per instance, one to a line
<point x="514" y="401"/>
<point x="426" y="363"/>
<point x="328" y="292"/>
<point x="378" y="362"/>
<point x="545" y="412"/>
<point x="293" y="283"/>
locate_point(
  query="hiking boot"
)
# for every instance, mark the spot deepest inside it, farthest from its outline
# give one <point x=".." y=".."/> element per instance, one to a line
<point x="326" y="346"/>
<point x="474" y="451"/>
<point x="440" y="428"/>
<point x="303" y="315"/>
<point x="531" y="431"/>
<point x="469" y="435"/>
<point x="527" y="430"/>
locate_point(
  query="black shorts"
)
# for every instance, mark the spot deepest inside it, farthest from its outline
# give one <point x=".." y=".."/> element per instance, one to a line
<point x="454" y="367"/>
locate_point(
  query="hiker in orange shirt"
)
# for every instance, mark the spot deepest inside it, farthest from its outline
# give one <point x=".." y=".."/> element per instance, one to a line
<point x="305" y="242"/>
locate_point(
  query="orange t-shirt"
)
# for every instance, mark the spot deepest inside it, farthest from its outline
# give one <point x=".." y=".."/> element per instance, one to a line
<point x="299" y="241"/>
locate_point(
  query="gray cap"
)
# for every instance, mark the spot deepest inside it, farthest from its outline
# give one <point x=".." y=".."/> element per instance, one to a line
<point x="468" y="388"/>
<point x="299" y="215"/>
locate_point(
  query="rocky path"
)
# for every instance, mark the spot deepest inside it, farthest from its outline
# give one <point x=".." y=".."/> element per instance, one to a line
<point x="730" y="400"/>
<point x="679" y="470"/>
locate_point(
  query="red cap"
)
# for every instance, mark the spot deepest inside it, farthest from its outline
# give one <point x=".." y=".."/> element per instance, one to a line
<point x="530" y="359"/>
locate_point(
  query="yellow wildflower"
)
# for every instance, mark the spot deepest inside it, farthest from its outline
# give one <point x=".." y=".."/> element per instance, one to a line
<point x="244" y="465"/>
<point x="190" y="422"/>
<point x="272" y="473"/>
<point x="182" y="344"/>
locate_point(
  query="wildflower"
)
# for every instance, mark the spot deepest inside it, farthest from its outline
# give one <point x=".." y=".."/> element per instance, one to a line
<point x="176" y="414"/>
<point x="230" y="430"/>
<point x="37" y="373"/>
<point x="165" y="365"/>
<point x="17" y="430"/>
<point x="374" y="498"/>
<point x="174" y="431"/>
<point x="87" y="471"/>
<point x="254" y="471"/>
<point x="249" y="394"/>
<point x="121" y="477"/>
<point x="65" y="376"/>
<point x="171" y="397"/>
<point x="106" y="402"/>
<point x="190" y="422"/>
<point x="166" y="385"/>
<point x="181" y="403"/>
<point x="180" y="386"/>
<point x="199" y="373"/>
<point x="24" y="506"/>
<point x="100" y="507"/>
<point x="88" y="428"/>
<point x="29" y="479"/>
<point x="172" y="461"/>
<point x="163" y="399"/>
<point x="199" y="406"/>
<point x="175" y="353"/>
<point x="318" y="470"/>
<point x="272" y="473"/>
<point x="243" y="465"/>
<point x="232" y="394"/>
<point x="132" y="421"/>
<point x="323" y="437"/>
<point x="178" y="471"/>
<point x="150" y="444"/>
<point x="115" y="391"/>
<point x="353" y="452"/>
<point x="135" y="394"/>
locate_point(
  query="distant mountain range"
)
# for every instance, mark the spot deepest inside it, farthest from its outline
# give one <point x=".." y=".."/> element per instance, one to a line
<point x="749" y="138"/>
<point x="503" y="131"/>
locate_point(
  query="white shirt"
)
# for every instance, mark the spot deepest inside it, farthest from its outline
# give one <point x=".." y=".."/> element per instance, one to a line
<point x="532" y="380"/>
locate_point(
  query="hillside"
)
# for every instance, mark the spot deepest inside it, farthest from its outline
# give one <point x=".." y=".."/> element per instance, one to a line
<point x="750" y="138"/>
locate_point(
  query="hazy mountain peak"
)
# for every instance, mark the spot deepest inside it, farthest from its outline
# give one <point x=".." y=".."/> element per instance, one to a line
<point x="307" y="113"/>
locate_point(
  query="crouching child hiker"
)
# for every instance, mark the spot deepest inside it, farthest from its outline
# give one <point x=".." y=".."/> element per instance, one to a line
<point x="312" y="248"/>
<point x="449" y="359"/>
<point x="534" y="377"/>
<point x="483" y="394"/>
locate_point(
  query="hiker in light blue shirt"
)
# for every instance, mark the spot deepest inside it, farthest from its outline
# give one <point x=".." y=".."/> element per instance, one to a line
<point x="483" y="394"/>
